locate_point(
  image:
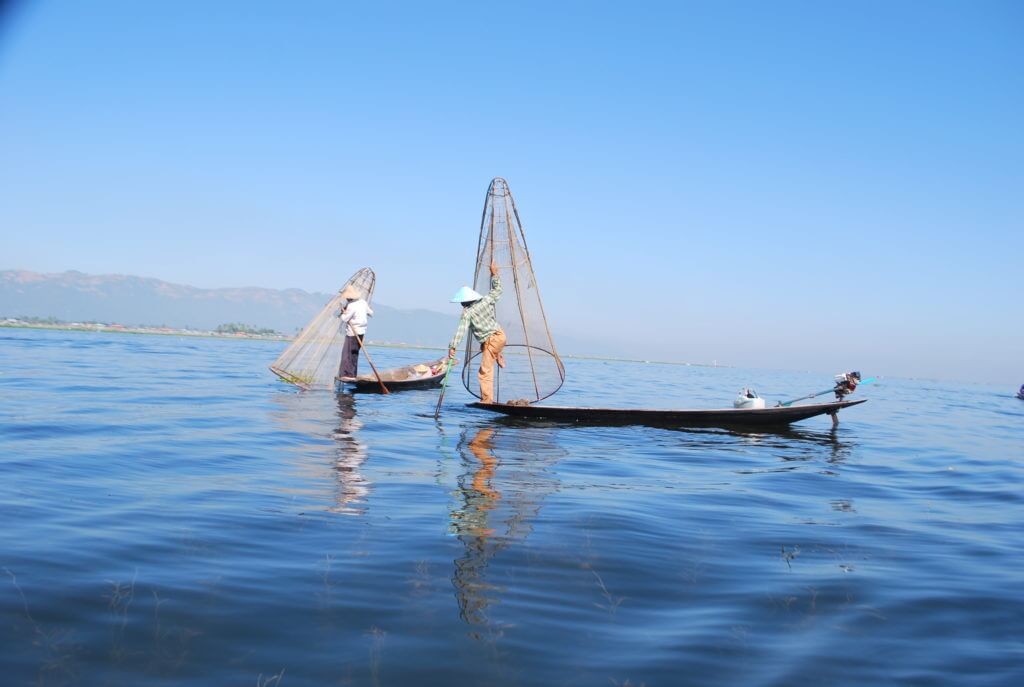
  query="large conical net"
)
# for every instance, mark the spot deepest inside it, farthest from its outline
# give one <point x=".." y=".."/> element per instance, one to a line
<point x="533" y="370"/>
<point x="313" y="359"/>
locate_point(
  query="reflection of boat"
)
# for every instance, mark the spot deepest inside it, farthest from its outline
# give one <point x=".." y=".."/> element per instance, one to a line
<point x="419" y="376"/>
<point x="726" y="417"/>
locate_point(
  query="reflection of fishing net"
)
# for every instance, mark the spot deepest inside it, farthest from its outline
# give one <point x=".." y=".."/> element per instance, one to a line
<point x="499" y="496"/>
<point x="533" y="369"/>
<point x="313" y="359"/>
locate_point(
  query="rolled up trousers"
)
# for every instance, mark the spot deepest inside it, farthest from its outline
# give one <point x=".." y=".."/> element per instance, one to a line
<point x="492" y="348"/>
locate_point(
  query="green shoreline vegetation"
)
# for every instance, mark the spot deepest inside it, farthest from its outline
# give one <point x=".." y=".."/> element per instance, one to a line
<point x="224" y="331"/>
<point x="235" y="330"/>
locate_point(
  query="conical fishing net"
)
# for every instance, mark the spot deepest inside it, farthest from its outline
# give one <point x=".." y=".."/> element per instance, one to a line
<point x="533" y="370"/>
<point x="313" y="359"/>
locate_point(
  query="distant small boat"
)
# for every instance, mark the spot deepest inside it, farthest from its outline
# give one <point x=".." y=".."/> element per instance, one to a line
<point x="1020" y="394"/>
<point x="418" y="376"/>
<point x="726" y="417"/>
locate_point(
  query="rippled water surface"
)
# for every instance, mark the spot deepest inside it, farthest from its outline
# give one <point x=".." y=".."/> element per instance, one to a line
<point x="171" y="514"/>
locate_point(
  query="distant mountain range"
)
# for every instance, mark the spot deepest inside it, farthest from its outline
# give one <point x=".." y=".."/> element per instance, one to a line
<point x="114" y="298"/>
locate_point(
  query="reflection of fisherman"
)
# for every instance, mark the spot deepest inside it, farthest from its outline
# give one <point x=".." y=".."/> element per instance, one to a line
<point x="492" y="512"/>
<point x="471" y="524"/>
<point x="480" y="496"/>
<point x="352" y="486"/>
<point x="354" y="316"/>
<point x="478" y="314"/>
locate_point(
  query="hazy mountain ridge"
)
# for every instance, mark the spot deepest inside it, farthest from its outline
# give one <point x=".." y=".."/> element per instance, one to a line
<point x="131" y="300"/>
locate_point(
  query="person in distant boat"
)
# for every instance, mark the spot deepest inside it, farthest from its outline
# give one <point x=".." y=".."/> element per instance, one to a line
<point x="478" y="315"/>
<point x="354" y="317"/>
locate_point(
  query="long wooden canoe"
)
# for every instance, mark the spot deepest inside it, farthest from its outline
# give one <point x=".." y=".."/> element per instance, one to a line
<point x="429" y="375"/>
<point x="726" y="417"/>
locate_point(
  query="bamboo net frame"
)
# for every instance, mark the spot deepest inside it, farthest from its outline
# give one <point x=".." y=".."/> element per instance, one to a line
<point x="533" y="368"/>
<point x="314" y="357"/>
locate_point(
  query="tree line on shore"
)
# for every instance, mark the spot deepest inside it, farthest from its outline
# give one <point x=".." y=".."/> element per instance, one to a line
<point x="227" y="328"/>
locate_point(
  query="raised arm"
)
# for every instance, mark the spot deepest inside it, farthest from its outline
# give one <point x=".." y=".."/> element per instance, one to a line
<point x="495" y="293"/>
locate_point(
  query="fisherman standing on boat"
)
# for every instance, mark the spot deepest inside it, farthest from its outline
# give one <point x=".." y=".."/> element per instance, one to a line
<point x="354" y="317"/>
<point x="478" y="315"/>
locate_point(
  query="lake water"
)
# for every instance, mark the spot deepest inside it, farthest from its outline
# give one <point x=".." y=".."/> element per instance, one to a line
<point x="171" y="514"/>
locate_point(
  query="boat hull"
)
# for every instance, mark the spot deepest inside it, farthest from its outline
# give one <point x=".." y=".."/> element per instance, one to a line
<point x="727" y="417"/>
<point x="399" y="378"/>
<point x="373" y="386"/>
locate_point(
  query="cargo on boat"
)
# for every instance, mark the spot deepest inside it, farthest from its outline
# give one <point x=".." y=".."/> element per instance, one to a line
<point x="420" y="376"/>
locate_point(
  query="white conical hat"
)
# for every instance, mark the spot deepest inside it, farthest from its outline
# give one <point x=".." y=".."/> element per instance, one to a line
<point x="350" y="292"/>
<point x="465" y="294"/>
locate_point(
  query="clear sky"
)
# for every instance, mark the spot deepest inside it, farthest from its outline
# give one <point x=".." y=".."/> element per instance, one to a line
<point x="802" y="185"/>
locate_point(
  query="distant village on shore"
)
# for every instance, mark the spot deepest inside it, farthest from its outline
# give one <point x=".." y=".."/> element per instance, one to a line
<point x="230" y="330"/>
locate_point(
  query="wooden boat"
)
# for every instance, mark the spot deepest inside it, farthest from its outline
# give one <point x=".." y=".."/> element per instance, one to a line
<point x="727" y="417"/>
<point x="418" y="376"/>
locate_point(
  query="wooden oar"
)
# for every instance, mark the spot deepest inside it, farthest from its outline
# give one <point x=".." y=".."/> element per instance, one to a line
<point x="444" y="385"/>
<point x="373" y="367"/>
<point x="819" y="393"/>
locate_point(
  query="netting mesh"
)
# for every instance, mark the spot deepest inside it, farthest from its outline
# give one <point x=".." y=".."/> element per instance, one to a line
<point x="533" y="369"/>
<point x="312" y="360"/>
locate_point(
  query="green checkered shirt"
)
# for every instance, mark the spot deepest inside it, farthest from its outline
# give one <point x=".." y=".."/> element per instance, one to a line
<point x="480" y="317"/>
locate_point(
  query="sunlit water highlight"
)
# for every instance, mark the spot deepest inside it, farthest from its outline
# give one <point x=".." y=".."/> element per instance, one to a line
<point x="173" y="515"/>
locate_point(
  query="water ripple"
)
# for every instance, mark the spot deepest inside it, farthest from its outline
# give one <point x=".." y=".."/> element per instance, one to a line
<point x="173" y="515"/>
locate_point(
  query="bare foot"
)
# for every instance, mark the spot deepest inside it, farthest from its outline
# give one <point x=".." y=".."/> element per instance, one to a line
<point x="501" y="361"/>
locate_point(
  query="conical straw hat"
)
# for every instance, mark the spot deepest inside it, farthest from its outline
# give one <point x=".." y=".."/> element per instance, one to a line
<point x="350" y="292"/>
<point x="465" y="294"/>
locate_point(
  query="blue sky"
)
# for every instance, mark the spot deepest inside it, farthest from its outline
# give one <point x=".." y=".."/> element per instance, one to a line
<point x="798" y="185"/>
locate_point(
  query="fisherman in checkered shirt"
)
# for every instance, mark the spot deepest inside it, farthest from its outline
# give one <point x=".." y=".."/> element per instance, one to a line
<point x="478" y="315"/>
